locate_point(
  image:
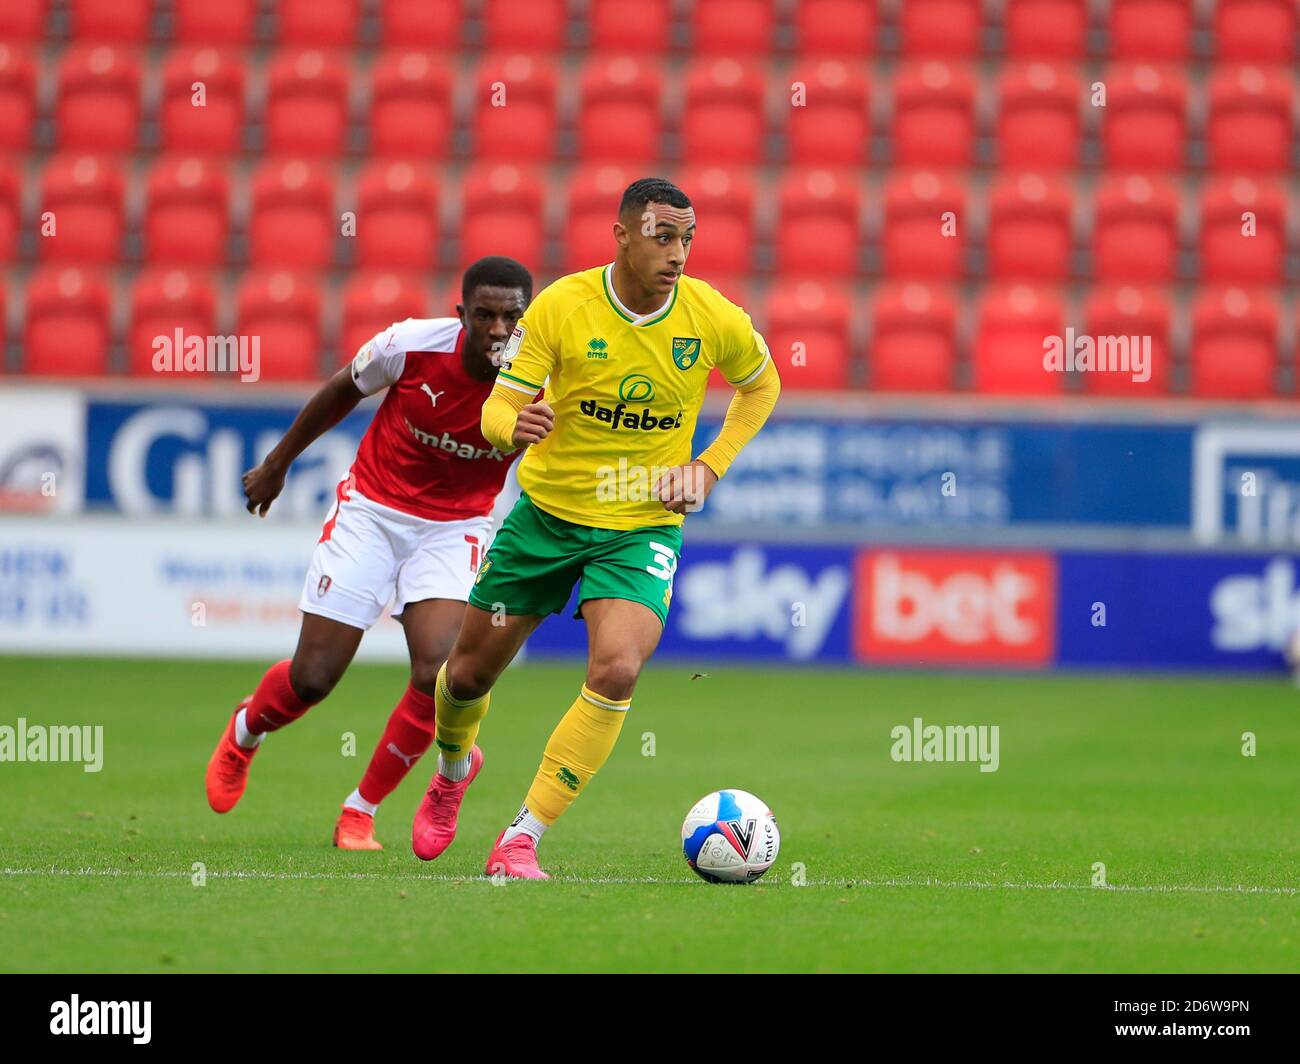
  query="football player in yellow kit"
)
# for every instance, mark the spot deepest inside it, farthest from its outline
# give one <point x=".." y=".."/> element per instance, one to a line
<point x="623" y="353"/>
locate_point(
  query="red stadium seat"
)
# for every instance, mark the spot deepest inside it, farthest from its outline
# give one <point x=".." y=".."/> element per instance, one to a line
<point x="217" y="126"/>
<point x="732" y="27"/>
<point x="1030" y="233"/>
<point x="934" y="115"/>
<point x="619" y="118"/>
<point x="1133" y="313"/>
<point x="1261" y="31"/>
<point x="501" y="212"/>
<point x="1038" y="123"/>
<point x="724" y="211"/>
<point x="10" y="214"/>
<point x="832" y="124"/>
<point x="306" y="104"/>
<point x="1249" y="125"/>
<point x="410" y="106"/>
<point x="527" y="25"/>
<point x="1013" y="323"/>
<point x="620" y="28"/>
<point x="514" y="109"/>
<point x="397" y="223"/>
<point x="1055" y="29"/>
<point x="447" y="297"/>
<point x="283" y="311"/>
<point x="293" y="223"/>
<point x="1234" y="344"/>
<point x="723" y="120"/>
<point x="17" y="99"/>
<point x="1144" y="122"/>
<point x="422" y="23"/>
<point x="818" y="232"/>
<point x="23" y="20"/>
<point x="67" y="332"/>
<point x="163" y="301"/>
<point x="1153" y="30"/>
<point x="101" y="21"/>
<point x="836" y="27"/>
<point x="319" y="23"/>
<point x="82" y="209"/>
<point x="924" y="226"/>
<point x="941" y="27"/>
<point x="98" y="107"/>
<point x="206" y="23"/>
<point x="913" y="338"/>
<point x="187" y="218"/>
<point x="374" y="301"/>
<point x="808" y="334"/>
<point x="1135" y="230"/>
<point x="1243" y="232"/>
<point x="594" y="194"/>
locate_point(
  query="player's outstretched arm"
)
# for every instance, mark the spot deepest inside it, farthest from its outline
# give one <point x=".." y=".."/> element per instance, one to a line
<point x="684" y="488"/>
<point x="330" y="405"/>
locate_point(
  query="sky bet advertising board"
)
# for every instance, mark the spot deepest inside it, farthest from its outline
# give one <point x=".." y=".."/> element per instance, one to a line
<point x="929" y="608"/>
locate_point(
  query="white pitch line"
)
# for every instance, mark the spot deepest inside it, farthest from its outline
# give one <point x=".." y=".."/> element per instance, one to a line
<point x="434" y="877"/>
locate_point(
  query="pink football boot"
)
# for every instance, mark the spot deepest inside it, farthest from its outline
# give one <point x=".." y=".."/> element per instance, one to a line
<point x="434" y="827"/>
<point x="516" y="859"/>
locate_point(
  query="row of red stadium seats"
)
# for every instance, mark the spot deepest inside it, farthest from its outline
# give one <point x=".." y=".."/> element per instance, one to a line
<point x="1126" y="228"/>
<point x="1149" y="117"/>
<point x="915" y="343"/>
<point x="1252" y="29"/>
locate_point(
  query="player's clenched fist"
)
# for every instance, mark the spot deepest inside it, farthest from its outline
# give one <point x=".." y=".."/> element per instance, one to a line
<point x="261" y="486"/>
<point x="683" y="489"/>
<point x="533" y="424"/>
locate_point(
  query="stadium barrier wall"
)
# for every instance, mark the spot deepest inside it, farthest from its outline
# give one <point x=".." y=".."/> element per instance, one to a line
<point x="1104" y="537"/>
<point x="157" y="587"/>
<point x="1118" y="474"/>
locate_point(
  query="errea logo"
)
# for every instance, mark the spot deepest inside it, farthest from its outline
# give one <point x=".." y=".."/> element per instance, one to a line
<point x="597" y="347"/>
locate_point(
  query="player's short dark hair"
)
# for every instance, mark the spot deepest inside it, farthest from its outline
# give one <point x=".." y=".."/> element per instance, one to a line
<point x="496" y="271"/>
<point x="652" y="190"/>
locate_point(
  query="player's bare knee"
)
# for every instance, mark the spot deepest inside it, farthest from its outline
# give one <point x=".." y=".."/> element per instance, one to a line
<point x="424" y="675"/>
<point x="468" y="677"/>
<point x="312" y="681"/>
<point x="614" y="677"/>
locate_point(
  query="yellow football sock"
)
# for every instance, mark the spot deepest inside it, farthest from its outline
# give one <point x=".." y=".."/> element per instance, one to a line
<point x="580" y="744"/>
<point x="458" y="719"/>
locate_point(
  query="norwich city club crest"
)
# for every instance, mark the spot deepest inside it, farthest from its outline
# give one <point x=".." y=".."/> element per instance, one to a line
<point x="686" y="349"/>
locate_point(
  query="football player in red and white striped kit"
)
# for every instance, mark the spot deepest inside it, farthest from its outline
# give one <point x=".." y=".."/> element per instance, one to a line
<point x="410" y="522"/>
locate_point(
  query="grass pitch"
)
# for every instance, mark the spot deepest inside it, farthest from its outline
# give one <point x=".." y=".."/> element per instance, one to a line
<point x="908" y="867"/>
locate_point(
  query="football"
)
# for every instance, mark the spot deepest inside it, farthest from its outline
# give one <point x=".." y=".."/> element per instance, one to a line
<point x="730" y="837"/>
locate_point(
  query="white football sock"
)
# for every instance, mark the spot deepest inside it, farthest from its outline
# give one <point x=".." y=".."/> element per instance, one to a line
<point x="454" y="770"/>
<point x="355" y="801"/>
<point x="524" y="824"/>
<point x="243" y="736"/>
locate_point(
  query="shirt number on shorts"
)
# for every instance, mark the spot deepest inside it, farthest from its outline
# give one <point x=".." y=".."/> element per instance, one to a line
<point x="473" y="553"/>
<point x="665" y="562"/>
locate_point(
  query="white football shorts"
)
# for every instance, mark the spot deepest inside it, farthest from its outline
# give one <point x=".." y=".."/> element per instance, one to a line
<point x="370" y="555"/>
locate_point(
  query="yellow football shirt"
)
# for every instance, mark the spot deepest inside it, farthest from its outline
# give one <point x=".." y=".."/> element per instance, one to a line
<point x="626" y="391"/>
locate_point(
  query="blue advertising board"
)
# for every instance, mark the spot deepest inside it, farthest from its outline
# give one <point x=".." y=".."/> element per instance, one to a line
<point x="186" y="458"/>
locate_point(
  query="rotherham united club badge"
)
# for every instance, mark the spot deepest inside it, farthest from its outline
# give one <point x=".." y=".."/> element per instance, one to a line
<point x="323" y="586"/>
